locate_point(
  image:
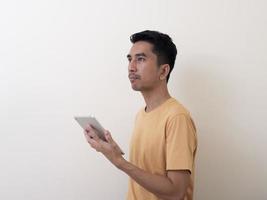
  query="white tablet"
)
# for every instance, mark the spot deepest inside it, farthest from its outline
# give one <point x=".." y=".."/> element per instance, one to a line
<point x="86" y="120"/>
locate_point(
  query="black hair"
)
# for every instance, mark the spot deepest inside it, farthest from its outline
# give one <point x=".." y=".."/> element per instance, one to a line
<point x="163" y="46"/>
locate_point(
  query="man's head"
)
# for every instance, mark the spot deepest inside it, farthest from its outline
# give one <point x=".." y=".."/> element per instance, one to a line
<point x="162" y="46"/>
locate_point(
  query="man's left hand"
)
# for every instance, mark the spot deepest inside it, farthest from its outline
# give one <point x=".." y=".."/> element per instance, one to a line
<point x="109" y="148"/>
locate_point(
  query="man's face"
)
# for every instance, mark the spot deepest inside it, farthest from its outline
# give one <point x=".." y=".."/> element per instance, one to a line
<point x="143" y="67"/>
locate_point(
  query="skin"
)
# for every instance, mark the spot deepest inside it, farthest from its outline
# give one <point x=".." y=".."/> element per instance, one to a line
<point x="149" y="78"/>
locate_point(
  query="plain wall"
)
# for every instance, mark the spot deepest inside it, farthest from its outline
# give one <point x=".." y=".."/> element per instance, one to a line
<point x="64" y="58"/>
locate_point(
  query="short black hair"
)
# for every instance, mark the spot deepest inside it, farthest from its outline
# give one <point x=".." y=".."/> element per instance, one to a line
<point x="163" y="46"/>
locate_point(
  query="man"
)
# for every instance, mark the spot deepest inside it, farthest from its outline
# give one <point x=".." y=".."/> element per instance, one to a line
<point x="164" y="142"/>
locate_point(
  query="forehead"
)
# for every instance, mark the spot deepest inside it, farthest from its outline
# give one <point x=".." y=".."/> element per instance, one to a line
<point x="141" y="47"/>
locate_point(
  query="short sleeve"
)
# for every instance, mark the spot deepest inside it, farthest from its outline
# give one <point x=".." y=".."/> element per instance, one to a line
<point x="180" y="143"/>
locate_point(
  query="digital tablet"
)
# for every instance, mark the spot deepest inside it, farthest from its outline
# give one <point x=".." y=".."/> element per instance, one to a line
<point x="86" y="120"/>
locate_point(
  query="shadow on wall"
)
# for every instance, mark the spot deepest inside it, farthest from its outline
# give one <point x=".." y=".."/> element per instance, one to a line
<point x="211" y="94"/>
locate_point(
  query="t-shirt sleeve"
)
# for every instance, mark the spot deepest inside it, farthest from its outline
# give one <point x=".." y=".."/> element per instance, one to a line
<point x="180" y="143"/>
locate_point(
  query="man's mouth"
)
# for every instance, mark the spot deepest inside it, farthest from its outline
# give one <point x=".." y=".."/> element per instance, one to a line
<point x="133" y="77"/>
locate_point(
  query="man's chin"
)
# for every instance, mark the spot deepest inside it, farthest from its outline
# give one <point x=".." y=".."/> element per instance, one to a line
<point x="135" y="88"/>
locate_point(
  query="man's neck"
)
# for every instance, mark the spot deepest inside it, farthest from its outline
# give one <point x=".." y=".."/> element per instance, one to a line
<point x="156" y="97"/>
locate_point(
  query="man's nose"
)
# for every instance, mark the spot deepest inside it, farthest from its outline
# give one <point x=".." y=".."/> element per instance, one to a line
<point x="132" y="66"/>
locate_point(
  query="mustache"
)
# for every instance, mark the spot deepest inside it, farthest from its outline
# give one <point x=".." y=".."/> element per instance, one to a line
<point x="134" y="76"/>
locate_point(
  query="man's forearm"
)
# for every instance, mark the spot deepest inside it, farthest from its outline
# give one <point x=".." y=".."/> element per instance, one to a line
<point x="159" y="185"/>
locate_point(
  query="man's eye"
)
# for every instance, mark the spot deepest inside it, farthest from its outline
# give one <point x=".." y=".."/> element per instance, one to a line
<point x="140" y="59"/>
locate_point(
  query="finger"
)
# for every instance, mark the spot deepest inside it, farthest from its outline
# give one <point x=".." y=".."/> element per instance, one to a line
<point x="88" y="128"/>
<point x="92" y="134"/>
<point x="94" y="144"/>
<point x="87" y="136"/>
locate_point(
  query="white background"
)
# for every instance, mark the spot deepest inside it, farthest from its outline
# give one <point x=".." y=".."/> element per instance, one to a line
<point x="60" y="58"/>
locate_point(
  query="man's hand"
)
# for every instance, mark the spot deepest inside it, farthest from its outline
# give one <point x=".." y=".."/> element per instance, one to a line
<point x="108" y="148"/>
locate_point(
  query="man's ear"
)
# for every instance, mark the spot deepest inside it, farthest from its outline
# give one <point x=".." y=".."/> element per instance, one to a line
<point x="164" y="71"/>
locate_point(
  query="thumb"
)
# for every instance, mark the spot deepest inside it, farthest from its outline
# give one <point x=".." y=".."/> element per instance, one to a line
<point x="112" y="142"/>
<point x="108" y="137"/>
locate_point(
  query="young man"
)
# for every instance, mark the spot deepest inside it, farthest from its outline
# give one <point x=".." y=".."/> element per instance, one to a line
<point x="164" y="142"/>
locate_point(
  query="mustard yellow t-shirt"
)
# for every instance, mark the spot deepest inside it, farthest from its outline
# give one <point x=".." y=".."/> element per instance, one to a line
<point x="163" y="139"/>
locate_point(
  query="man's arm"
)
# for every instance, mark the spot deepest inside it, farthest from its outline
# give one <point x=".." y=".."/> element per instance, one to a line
<point x="170" y="187"/>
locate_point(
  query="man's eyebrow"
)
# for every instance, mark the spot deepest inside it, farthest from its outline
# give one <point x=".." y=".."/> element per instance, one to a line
<point x="137" y="55"/>
<point x="140" y="54"/>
